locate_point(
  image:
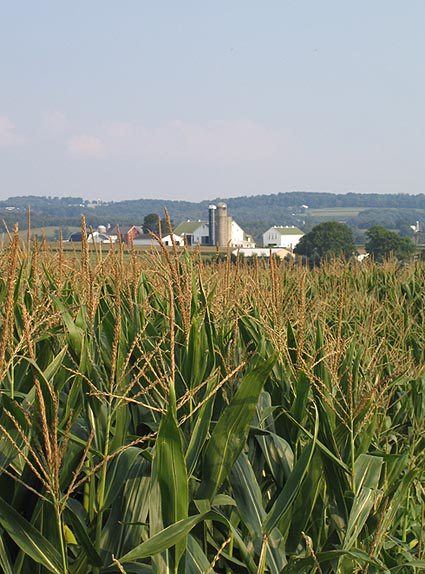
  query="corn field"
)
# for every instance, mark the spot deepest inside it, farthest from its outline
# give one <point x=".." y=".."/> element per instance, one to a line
<point x="164" y="414"/>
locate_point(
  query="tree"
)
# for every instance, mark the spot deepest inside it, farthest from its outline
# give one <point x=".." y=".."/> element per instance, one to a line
<point x="326" y="240"/>
<point x="383" y="243"/>
<point x="151" y="222"/>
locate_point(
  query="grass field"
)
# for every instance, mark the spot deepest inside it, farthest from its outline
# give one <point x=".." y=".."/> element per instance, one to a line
<point x="330" y="214"/>
<point x="160" y="414"/>
<point x="48" y="232"/>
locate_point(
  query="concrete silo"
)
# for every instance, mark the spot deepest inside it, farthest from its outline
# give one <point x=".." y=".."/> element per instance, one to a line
<point x="229" y="229"/>
<point x="222" y="225"/>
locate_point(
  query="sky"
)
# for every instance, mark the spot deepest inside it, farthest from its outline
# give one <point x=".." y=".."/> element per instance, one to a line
<point x="200" y="99"/>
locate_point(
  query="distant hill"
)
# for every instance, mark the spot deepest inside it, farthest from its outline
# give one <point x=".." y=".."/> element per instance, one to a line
<point x="254" y="213"/>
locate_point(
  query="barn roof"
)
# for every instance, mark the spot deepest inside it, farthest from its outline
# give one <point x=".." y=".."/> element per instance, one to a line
<point x="188" y="227"/>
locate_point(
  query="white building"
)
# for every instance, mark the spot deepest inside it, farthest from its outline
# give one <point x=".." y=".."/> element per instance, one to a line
<point x="198" y="233"/>
<point x="280" y="236"/>
<point x="240" y="238"/>
<point x="147" y="239"/>
<point x="279" y="252"/>
<point x="100" y="237"/>
<point x="178" y="240"/>
<point x="194" y="232"/>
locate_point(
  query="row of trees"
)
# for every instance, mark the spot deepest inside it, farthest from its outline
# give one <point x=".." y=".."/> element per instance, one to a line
<point x="334" y="239"/>
<point x="254" y="214"/>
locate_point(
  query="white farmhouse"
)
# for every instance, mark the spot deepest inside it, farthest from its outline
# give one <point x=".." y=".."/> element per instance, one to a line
<point x="198" y="233"/>
<point x="194" y="232"/>
<point x="279" y="236"/>
<point x="239" y="238"/>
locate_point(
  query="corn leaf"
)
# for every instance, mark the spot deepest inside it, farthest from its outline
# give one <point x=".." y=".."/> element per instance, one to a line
<point x="80" y="531"/>
<point x="196" y="561"/>
<point x="367" y="471"/>
<point x="200" y="431"/>
<point x="250" y="507"/>
<point x="286" y="498"/>
<point x="5" y="563"/>
<point x="126" y="524"/>
<point x="168" y="537"/>
<point x="117" y="473"/>
<point x="230" y="433"/>
<point x="29" y="539"/>
<point x="309" y="564"/>
<point x="171" y="471"/>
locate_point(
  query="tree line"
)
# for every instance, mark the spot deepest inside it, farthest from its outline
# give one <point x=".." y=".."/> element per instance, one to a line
<point x="255" y="214"/>
<point x="333" y="239"/>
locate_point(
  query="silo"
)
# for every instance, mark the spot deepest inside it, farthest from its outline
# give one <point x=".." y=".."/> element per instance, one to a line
<point x="222" y="226"/>
<point x="229" y="229"/>
<point x="211" y="224"/>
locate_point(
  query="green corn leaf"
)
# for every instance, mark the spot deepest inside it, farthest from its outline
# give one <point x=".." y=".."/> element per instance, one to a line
<point x="117" y="473"/>
<point x="29" y="539"/>
<point x="248" y="496"/>
<point x="292" y="344"/>
<point x="9" y="451"/>
<point x="307" y="507"/>
<point x="129" y="568"/>
<point x="200" y="431"/>
<point x="278" y="455"/>
<point x="299" y="406"/>
<point x="126" y="523"/>
<point x="230" y="433"/>
<point x="171" y="471"/>
<point x="171" y="467"/>
<point x="397" y="501"/>
<point x="223" y="500"/>
<point x="250" y="507"/>
<point x="122" y="416"/>
<point x="168" y="537"/>
<point x="321" y="446"/>
<point x="156" y="524"/>
<point x="75" y="402"/>
<point x="75" y="333"/>
<point x="276" y="450"/>
<point x="367" y="471"/>
<point x="309" y="564"/>
<point x="5" y="563"/>
<point x="193" y="358"/>
<point x="286" y="498"/>
<point x="196" y="561"/>
<point x="54" y="365"/>
<point x="209" y="326"/>
<point x="80" y="532"/>
<point x="417" y="565"/>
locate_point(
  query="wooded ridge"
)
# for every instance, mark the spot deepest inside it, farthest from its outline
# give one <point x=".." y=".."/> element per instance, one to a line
<point x="254" y="213"/>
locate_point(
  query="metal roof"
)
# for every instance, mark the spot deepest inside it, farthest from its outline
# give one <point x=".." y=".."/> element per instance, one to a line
<point x="286" y="230"/>
<point x="188" y="227"/>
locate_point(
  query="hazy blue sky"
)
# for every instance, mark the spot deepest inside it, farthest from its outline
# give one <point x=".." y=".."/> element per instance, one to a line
<point x="200" y="99"/>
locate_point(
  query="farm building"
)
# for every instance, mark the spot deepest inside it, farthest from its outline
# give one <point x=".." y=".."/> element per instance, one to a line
<point x="282" y="236"/>
<point x="220" y="229"/>
<point x="194" y="232"/>
<point x="147" y="239"/>
<point x="279" y="252"/>
<point x="130" y="233"/>
<point x="99" y="236"/>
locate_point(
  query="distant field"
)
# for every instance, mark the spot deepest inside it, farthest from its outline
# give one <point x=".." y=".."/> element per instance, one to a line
<point x="335" y="213"/>
<point x="49" y="232"/>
